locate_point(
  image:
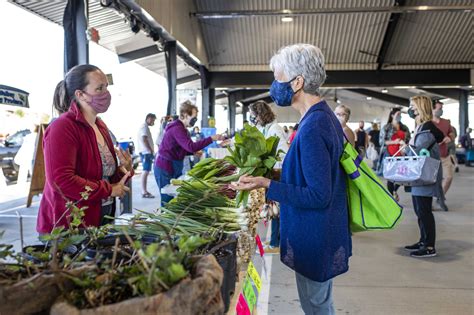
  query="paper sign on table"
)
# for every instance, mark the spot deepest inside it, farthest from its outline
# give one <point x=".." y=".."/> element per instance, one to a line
<point x="260" y="245"/>
<point x="249" y="294"/>
<point x="242" y="308"/>
<point x="255" y="276"/>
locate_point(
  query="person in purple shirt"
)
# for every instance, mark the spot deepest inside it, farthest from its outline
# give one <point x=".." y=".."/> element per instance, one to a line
<point x="176" y="144"/>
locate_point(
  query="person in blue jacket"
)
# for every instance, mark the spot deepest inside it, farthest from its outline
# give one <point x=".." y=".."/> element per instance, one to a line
<point x="315" y="240"/>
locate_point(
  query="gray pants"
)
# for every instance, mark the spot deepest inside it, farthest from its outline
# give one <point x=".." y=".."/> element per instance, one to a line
<point x="315" y="297"/>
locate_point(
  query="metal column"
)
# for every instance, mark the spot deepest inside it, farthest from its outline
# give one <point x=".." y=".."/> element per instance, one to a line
<point x="76" y="45"/>
<point x="170" y="56"/>
<point x="208" y="97"/>
<point x="245" y="110"/>
<point x="232" y="99"/>
<point x="463" y="111"/>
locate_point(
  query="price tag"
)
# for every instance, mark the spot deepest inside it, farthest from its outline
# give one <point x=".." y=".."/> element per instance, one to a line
<point x="242" y="308"/>
<point x="260" y="245"/>
<point x="249" y="294"/>
<point x="252" y="271"/>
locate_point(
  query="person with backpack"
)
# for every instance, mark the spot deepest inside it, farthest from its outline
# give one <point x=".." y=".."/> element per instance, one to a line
<point x="427" y="136"/>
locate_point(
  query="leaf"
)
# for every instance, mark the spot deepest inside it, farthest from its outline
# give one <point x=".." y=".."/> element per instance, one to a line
<point x="270" y="144"/>
<point x="238" y="138"/>
<point x="56" y="231"/>
<point x="252" y="161"/>
<point x="270" y="162"/>
<point x="176" y="272"/>
<point x="77" y="239"/>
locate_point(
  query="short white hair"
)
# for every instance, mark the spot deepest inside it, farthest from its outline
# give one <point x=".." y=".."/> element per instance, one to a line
<point x="301" y="59"/>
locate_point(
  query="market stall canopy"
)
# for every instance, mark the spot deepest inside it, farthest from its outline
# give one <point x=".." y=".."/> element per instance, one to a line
<point x="13" y="96"/>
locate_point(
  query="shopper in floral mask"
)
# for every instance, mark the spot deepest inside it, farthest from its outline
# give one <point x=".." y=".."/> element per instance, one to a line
<point x="315" y="241"/>
<point x="79" y="153"/>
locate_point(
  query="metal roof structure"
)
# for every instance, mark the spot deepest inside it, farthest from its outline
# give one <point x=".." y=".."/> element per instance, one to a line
<point x="367" y="43"/>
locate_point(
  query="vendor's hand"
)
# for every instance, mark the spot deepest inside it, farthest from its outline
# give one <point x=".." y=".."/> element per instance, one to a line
<point x="217" y="137"/>
<point x="247" y="182"/>
<point x="446" y="140"/>
<point x="119" y="189"/>
<point x="226" y="143"/>
<point x="125" y="159"/>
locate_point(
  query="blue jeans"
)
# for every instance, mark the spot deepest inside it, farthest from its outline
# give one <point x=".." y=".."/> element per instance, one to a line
<point x="163" y="178"/>
<point x="275" y="237"/>
<point x="315" y="297"/>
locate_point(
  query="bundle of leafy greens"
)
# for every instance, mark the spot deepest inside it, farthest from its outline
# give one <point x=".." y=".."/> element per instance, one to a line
<point x="253" y="155"/>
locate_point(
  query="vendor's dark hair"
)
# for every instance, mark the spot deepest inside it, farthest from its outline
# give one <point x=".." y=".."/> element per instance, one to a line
<point x="75" y="79"/>
<point x="393" y="112"/>
<point x="263" y="111"/>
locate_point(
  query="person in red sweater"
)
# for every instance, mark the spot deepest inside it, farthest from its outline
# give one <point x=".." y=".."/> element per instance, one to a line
<point x="79" y="153"/>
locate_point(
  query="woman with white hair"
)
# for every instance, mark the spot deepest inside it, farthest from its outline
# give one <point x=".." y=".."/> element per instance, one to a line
<point x="314" y="226"/>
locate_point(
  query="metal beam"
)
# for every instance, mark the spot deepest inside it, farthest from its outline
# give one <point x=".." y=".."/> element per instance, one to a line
<point x="141" y="20"/>
<point x="257" y="97"/>
<point x="447" y="93"/>
<point x="76" y="45"/>
<point x="321" y="11"/>
<point x="139" y="53"/>
<point x="463" y="111"/>
<point x="353" y="78"/>
<point x="189" y="78"/>
<point x="171" y="68"/>
<point x="382" y="96"/>
<point x="387" y="39"/>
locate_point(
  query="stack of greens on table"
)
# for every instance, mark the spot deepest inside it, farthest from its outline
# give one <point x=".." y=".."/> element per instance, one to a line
<point x="210" y="168"/>
<point x="253" y="155"/>
<point x="200" y="207"/>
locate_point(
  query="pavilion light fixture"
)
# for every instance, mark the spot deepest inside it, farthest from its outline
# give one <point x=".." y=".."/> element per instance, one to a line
<point x="369" y="98"/>
<point x="287" y="19"/>
<point x="384" y="91"/>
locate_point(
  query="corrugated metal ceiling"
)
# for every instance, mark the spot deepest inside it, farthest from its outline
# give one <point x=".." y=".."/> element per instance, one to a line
<point x="114" y="31"/>
<point x="350" y="41"/>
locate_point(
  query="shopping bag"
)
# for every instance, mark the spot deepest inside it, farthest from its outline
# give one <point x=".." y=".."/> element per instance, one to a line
<point x="416" y="170"/>
<point x="371" y="206"/>
<point x="372" y="153"/>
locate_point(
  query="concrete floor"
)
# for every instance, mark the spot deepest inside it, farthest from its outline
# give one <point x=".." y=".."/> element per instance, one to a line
<point x="382" y="278"/>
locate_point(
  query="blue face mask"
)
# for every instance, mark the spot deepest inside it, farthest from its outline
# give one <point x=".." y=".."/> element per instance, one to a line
<point x="282" y="93"/>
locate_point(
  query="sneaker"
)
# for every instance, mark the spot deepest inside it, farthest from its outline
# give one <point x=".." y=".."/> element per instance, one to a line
<point x="415" y="246"/>
<point x="272" y="249"/>
<point x="424" y="253"/>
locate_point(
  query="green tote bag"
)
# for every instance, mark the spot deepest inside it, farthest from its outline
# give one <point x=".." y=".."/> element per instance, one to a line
<point x="371" y="206"/>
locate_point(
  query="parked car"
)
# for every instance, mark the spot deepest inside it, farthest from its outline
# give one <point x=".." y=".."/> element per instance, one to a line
<point x="8" y="149"/>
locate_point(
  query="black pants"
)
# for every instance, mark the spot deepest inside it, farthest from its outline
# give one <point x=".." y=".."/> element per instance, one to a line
<point x="392" y="187"/>
<point x="426" y="221"/>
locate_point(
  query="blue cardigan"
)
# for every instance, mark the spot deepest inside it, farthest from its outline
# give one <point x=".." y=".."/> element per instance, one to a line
<point x="315" y="237"/>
